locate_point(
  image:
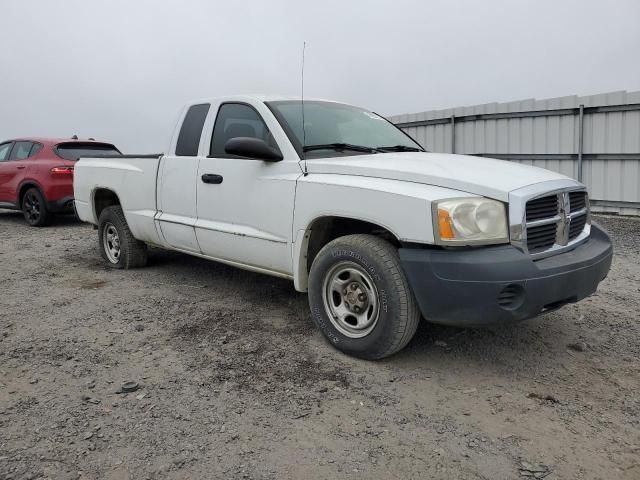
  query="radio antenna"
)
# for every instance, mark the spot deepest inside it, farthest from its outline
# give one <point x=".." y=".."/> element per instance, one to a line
<point x="304" y="131"/>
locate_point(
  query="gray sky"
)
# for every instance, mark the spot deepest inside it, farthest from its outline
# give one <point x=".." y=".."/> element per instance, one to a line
<point x="119" y="70"/>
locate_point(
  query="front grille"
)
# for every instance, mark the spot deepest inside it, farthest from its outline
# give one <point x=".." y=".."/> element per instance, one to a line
<point x="577" y="226"/>
<point x="555" y="220"/>
<point x="577" y="201"/>
<point x="540" y="208"/>
<point x="541" y="237"/>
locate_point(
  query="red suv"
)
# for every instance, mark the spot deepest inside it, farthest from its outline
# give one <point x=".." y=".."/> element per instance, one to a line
<point x="36" y="175"/>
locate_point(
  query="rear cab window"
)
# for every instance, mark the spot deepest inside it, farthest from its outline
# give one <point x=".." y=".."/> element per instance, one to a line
<point x="191" y="130"/>
<point x="76" y="150"/>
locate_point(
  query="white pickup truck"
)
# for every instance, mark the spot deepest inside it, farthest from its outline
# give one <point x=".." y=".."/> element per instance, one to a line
<point x="354" y="211"/>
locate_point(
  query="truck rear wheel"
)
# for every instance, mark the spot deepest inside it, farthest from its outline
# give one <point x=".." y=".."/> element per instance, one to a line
<point x="117" y="245"/>
<point x="360" y="298"/>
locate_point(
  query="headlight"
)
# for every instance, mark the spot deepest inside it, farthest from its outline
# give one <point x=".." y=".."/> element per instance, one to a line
<point x="466" y="221"/>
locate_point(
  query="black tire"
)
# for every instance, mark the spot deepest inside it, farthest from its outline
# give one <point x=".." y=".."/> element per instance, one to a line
<point x="34" y="208"/>
<point x="132" y="253"/>
<point x="398" y="313"/>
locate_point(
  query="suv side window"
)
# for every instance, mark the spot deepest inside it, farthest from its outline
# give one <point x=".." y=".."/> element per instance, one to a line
<point x="21" y="150"/>
<point x="238" y="120"/>
<point x="5" y="148"/>
<point x="35" y="149"/>
<point x="191" y="130"/>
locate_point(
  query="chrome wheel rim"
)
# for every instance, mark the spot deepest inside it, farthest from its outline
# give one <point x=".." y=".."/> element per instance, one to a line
<point x="31" y="207"/>
<point x="351" y="299"/>
<point x="111" y="242"/>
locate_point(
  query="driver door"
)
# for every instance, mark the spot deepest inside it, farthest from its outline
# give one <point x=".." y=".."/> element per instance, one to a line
<point x="245" y="206"/>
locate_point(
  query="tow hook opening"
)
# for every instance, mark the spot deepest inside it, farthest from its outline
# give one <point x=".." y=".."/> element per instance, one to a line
<point x="511" y="297"/>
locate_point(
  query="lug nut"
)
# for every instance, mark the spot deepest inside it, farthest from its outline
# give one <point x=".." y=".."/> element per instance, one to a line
<point x="356" y="309"/>
<point x="362" y="297"/>
<point x="353" y="286"/>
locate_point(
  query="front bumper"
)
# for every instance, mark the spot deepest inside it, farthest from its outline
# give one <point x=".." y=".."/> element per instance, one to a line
<point x="501" y="284"/>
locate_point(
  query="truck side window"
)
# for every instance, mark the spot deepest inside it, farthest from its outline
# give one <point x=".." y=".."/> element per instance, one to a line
<point x="191" y="130"/>
<point x="238" y="120"/>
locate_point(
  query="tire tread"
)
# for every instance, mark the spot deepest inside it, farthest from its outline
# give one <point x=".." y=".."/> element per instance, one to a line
<point x="45" y="214"/>
<point x="134" y="251"/>
<point x="409" y="314"/>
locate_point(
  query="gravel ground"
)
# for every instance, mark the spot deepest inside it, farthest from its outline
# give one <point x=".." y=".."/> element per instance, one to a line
<point x="235" y="382"/>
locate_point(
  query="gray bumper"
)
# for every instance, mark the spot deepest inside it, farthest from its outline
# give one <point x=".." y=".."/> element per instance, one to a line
<point x="501" y="284"/>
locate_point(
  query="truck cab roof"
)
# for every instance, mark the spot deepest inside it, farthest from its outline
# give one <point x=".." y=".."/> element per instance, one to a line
<point x="256" y="97"/>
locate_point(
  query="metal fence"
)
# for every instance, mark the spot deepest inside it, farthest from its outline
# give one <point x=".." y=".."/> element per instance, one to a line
<point x="595" y="139"/>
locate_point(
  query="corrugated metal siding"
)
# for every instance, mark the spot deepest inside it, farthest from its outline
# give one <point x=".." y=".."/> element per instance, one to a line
<point x="614" y="183"/>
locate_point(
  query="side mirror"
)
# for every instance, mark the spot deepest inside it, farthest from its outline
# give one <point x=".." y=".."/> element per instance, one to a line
<point x="252" y="148"/>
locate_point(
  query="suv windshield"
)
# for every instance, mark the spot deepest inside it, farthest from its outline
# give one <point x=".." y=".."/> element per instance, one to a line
<point x="76" y="150"/>
<point x="335" y="129"/>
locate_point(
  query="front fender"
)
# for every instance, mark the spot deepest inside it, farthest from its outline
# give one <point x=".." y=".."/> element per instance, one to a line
<point x="403" y="208"/>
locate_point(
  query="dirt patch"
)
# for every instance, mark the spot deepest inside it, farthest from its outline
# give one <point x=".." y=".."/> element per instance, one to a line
<point x="235" y="382"/>
<point x="92" y="284"/>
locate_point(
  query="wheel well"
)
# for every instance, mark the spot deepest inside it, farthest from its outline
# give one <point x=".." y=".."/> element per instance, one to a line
<point x="326" y="229"/>
<point x="23" y="190"/>
<point x="103" y="198"/>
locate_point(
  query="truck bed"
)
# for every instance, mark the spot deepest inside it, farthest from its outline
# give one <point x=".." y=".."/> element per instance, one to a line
<point x="134" y="177"/>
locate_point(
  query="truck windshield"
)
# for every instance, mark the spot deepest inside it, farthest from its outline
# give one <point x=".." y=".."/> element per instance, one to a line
<point x="335" y="129"/>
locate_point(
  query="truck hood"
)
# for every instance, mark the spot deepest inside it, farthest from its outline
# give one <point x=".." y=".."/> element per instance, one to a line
<point x="477" y="175"/>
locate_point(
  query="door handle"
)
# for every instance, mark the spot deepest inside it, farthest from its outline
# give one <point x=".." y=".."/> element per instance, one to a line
<point x="20" y="167"/>
<point x="212" y="178"/>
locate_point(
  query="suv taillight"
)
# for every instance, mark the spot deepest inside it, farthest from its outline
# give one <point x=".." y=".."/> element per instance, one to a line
<point x="62" y="171"/>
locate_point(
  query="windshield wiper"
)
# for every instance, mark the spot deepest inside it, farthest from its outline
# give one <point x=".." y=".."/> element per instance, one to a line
<point x="399" y="148"/>
<point x="340" y="147"/>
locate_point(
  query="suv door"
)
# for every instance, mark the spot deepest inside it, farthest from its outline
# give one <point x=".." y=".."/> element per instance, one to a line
<point x="5" y="150"/>
<point x="245" y="206"/>
<point x="13" y="169"/>
<point x="177" y="183"/>
<point x="20" y="160"/>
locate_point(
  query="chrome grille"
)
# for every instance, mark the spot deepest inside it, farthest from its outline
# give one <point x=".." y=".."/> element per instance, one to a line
<point x="578" y="213"/>
<point x="555" y="221"/>
<point x="577" y="201"/>
<point x="541" y="237"/>
<point x="544" y="207"/>
<point x="577" y="226"/>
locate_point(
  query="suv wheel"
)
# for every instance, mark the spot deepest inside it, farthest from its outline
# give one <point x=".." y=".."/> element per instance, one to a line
<point x="360" y="298"/>
<point x="34" y="208"/>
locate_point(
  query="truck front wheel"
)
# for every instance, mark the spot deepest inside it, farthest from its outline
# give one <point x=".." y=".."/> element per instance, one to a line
<point x="360" y="298"/>
<point x="117" y="245"/>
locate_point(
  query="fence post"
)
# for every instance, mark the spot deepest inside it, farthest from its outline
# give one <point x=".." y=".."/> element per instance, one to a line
<point x="580" y="140"/>
<point x="453" y="134"/>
